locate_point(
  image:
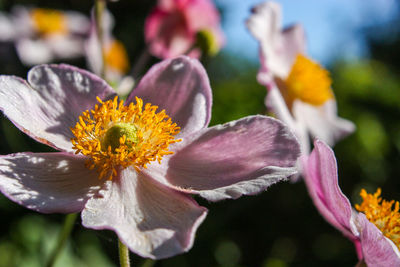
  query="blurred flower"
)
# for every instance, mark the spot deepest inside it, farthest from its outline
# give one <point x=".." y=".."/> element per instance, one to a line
<point x="299" y="89"/>
<point x="44" y="35"/>
<point x="110" y="55"/>
<point x="178" y="27"/>
<point x="374" y="230"/>
<point x="148" y="162"/>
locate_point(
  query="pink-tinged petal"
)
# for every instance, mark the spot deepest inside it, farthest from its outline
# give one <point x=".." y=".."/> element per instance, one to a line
<point x="48" y="182"/>
<point x="321" y="179"/>
<point x="377" y="249"/>
<point x="153" y="220"/>
<point x="167" y="34"/>
<point x="181" y="87"/>
<point x="278" y="48"/>
<point x="171" y="27"/>
<point x="265" y="22"/>
<point x="201" y="14"/>
<point x="242" y="157"/>
<point x="274" y="102"/>
<point x="322" y="121"/>
<point x="51" y="101"/>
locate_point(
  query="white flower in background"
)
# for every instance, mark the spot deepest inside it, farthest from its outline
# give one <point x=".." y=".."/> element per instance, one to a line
<point x="299" y="89"/>
<point x="44" y="35"/>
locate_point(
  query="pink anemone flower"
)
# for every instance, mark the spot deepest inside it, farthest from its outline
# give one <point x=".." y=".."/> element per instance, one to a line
<point x="299" y="89"/>
<point x="172" y="28"/>
<point x="374" y="228"/>
<point x="132" y="168"/>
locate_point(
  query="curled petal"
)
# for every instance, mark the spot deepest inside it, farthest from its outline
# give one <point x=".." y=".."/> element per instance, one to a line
<point x="51" y="101"/>
<point x="321" y="179"/>
<point x="181" y="87"/>
<point x="378" y="250"/>
<point x="278" y="49"/>
<point x="241" y="157"/>
<point x="48" y="182"/>
<point x="153" y="220"/>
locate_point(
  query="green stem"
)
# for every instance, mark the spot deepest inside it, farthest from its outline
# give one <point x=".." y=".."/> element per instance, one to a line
<point x="123" y="255"/>
<point x="100" y="6"/>
<point x="62" y="238"/>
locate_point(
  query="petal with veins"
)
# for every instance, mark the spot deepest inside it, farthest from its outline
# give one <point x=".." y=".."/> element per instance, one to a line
<point x="241" y="157"/>
<point x="151" y="219"/>
<point x="51" y="101"/>
<point x="181" y="87"/>
<point x="48" y="182"/>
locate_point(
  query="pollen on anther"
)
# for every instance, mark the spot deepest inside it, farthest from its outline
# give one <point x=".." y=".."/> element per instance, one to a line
<point x="384" y="214"/>
<point x="309" y="82"/>
<point x="115" y="136"/>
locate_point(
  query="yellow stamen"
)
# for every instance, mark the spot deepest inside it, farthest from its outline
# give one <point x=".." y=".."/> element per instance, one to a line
<point x="116" y="136"/>
<point x="116" y="57"/>
<point x="382" y="214"/>
<point x="49" y="21"/>
<point x="309" y="82"/>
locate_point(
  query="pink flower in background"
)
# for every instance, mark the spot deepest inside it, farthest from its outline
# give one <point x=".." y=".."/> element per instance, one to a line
<point x="299" y="89"/>
<point x="173" y="26"/>
<point x="375" y="230"/>
<point x="154" y="158"/>
<point x="44" y="35"/>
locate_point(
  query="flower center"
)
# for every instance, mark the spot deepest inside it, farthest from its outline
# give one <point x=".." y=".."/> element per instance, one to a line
<point x="309" y="82"/>
<point x="49" y="21"/>
<point x="117" y="131"/>
<point x="116" y="57"/>
<point x="113" y="135"/>
<point x="382" y="213"/>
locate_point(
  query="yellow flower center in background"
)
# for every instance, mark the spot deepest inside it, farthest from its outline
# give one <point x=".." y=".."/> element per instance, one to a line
<point x="309" y="82"/>
<point x="49" y="21"/>
<point x="116" y="57"/>
<point x="113" y="135"/>
<point x="382" y="213"/>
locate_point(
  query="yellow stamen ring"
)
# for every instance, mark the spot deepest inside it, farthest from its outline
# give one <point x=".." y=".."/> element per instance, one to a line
<point x="382" y="213"/>
<point x="116" y="136"/>
<point x="116" y="57"/>
<point x="309" y="82"/>
<point x="49" y="21"/>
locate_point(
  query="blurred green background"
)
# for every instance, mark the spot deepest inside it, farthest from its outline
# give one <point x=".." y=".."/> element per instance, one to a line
<point x="278" y="228"/>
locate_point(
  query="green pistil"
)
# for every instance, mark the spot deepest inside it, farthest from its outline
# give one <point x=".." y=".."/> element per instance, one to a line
<point x="117" y="131"/>
<point x="207" y="42"/>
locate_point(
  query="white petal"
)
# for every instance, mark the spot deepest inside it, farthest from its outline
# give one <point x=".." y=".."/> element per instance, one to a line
<point x="48" y="182"/>
<point x="151" y="219"/>
<point x="322" y="121"/>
